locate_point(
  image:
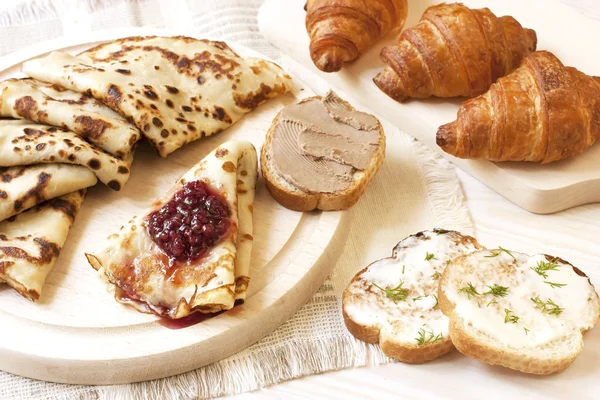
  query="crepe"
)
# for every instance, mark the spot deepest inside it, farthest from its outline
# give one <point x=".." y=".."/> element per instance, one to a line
<point x="176" y="259"/>
<point x="25" y="187"/>
<point x="175" y="89"/>
<point x="24" y="143"/>
<point x="54" y="105"/>
<point x="30" y="243"/>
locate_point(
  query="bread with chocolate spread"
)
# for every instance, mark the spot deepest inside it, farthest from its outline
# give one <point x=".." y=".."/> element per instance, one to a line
<point x="321" y="153"/>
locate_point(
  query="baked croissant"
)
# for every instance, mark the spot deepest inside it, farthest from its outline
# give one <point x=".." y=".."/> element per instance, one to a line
<point x="542" y="112"/>
<point x="453" y="51"/>
<point x="341" y="30"/>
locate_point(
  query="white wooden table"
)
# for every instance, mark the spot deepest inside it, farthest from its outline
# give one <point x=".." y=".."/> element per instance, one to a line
<point x="573" y="234"/>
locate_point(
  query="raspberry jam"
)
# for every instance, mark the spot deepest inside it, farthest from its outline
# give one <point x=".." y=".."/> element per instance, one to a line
<point x="191" y="223"/>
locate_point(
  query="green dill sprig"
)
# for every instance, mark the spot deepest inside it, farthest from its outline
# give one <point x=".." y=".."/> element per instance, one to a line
<point x="403" y="269"/>
<point x="510" y="317"/>
<point x="526" y="331"/>
<point x="538" y="302"/>
<point x="397" y="294"/>
<point x="469" y="290"/>
<point x="428" y="337"/>
<point x="500" y="250"/>
<point x="555" y="285"/>
<point x="436" y="302"/>
<point x="497" y="290"/>
<point x="543" y="267"/>
<point x="417" y="298"/>
<point x="429" y="256"/>
<point x="493" y="301"/>
<point x="553" y="308"/>
<point x="547" y="306"/>
<point x="436" y="275"/>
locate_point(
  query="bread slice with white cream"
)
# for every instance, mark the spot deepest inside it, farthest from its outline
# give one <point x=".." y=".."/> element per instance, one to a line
<point x="394" y="301"/>
<point x="527" y="313"/>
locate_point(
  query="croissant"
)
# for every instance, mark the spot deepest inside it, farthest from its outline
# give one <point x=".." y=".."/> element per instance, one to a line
<point x="341" y="30"/>
<point x="453" y="51"/>
<point x="542" y="112"/>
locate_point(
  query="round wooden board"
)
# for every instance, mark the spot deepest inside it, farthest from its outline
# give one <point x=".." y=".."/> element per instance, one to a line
<point x="77" y="333"/>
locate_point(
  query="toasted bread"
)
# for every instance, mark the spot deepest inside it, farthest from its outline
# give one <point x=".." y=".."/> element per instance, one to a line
<point x="295" y="198"/>
<point x="524" y="313"/>
<point x="393" y="301"/>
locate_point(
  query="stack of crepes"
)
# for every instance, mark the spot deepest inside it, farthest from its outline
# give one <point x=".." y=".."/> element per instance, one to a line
<point x="78" y="119"/>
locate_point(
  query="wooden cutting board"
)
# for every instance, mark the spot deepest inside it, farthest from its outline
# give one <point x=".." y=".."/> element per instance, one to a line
<point x="77" y="333"/>
<point x="560" y="29"/>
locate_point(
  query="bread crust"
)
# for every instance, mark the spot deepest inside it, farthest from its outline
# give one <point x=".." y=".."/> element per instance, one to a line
<point x="300" y="200"/>
<point x="476" y="347"/>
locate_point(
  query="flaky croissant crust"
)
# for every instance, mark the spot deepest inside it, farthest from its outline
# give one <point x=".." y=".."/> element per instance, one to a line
<point x="542" y="112"/>
<point x="342" y="30"/>
<point x="453" y="51"/>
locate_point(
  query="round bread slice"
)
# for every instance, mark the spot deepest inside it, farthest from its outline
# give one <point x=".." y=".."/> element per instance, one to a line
<point x="524" y="313"/>
<point x="290" y="196"/>
<point x="394" y="301"/>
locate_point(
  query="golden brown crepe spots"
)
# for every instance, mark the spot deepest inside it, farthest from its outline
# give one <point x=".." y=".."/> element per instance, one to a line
<point x="196" y="88"/>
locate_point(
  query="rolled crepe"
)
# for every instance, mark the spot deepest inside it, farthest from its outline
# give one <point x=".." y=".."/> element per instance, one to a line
<point x="175" y="89"/>
<point x="54" y="105"/>
<point x="30" y="242"/>
<point x="24" y="143"/>
<point x="24" y="187"/>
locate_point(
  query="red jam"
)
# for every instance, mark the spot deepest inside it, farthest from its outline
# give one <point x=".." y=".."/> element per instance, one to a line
<point x="191" y="223"/>
<point x="185" y="322"/>
<point x="196" y="318"/>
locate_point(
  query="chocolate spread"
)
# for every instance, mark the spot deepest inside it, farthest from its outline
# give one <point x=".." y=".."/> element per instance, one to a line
<point x="319" y="144"/>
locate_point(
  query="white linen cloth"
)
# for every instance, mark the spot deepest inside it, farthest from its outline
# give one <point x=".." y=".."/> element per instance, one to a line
<point x="414" y="190"/>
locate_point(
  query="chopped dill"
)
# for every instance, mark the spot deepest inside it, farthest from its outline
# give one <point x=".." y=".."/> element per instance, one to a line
<point x="510" y="317"/>
<point x="469" y="290"/>
<point x="543" y="267"/>
<point x="496" y="253"/>
<point x="497" y="290"/>
<point x="555" y="285"/>
<point x="547" y="306"/>
<point x="427" y="337"/>
<point x="397" y="294"/>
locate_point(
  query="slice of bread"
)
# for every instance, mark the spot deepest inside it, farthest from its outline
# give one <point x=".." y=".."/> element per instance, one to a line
<point x="524" y="313"/>
<point x="394" y="302"/>
<point x="294" y="198"/>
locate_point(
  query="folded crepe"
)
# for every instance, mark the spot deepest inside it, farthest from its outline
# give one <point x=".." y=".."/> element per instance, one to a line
<point x="30" y="242"/>
<point x="175" y="89"/>
<point x="189" y="251"/>
<point x="24" y="187"/>
<point x="24" y="143"/>
<point x="54" y="105"/>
